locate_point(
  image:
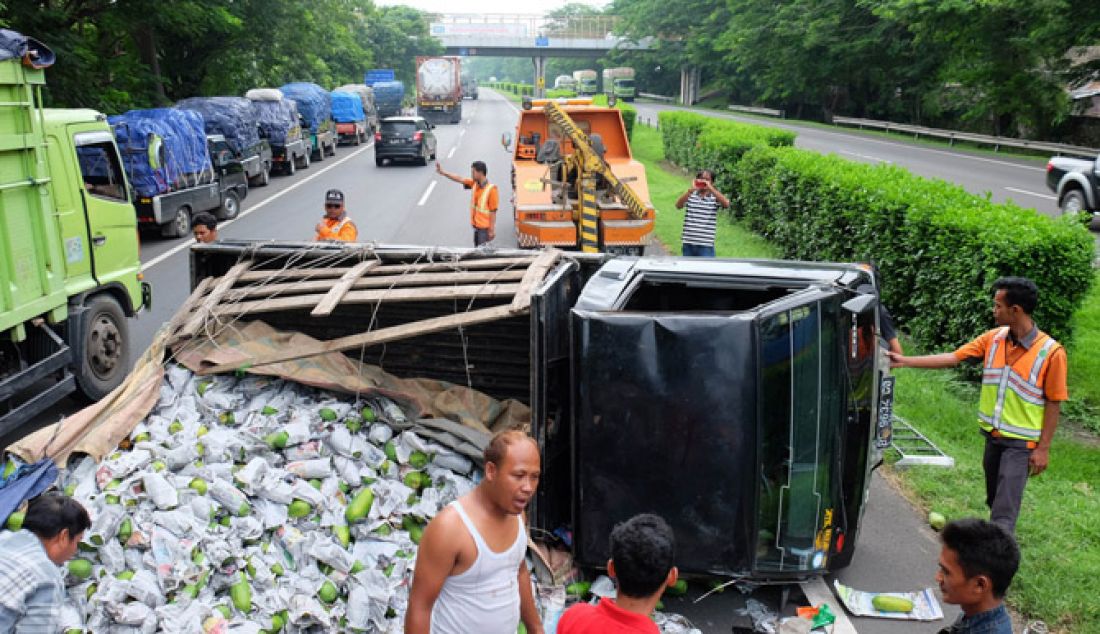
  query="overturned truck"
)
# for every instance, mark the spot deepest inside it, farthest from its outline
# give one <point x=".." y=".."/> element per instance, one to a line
<point x="738" y="399"/>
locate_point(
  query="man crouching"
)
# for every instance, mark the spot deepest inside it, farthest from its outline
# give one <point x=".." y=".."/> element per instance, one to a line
<point x="470" y="572"/>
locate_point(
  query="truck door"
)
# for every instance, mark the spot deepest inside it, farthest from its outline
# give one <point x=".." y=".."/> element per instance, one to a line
<point x="802" y="388"/>
<point x="112" y="221"/>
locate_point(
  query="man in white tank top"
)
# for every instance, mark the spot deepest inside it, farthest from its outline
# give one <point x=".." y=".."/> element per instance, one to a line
<point x="470" y="573"/>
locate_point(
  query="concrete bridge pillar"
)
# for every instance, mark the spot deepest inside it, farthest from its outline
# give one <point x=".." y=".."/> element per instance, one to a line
<point x="689" y="85"/>
<point x="540" y="76"/>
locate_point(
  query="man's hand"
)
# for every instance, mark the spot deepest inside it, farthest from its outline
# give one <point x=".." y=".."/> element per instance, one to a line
<point x="1040" y="458"/>
<point x="438" y="168"/>
<point x="896" y="360"/>
<point x="320" y="228"/>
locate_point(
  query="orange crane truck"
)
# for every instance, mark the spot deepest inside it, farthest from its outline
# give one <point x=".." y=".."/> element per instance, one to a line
<point x="575" y="183"/>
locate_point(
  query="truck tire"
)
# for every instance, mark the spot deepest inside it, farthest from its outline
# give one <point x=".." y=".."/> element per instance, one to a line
<point x="180" y="225"/>
<point x="101" y="347"/>
<point x="320" y="154"/>
<point x="379" y="161"/>
<point x="291" y="166"/>
<point x="1073" y="202"/>
<point x="332" y="148"/>
<point x="231" y="206"/>
<point x="263" y="178"/>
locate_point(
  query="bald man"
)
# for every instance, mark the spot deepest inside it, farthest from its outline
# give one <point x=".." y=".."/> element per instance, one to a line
<point x="470" y="571"/>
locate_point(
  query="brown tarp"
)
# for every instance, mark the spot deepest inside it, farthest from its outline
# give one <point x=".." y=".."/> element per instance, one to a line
<point x="97" y="429"/>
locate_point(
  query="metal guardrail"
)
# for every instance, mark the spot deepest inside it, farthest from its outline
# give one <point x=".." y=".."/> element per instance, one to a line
<point x="649" y="95"/>
<point x="951" y="135"/>
<point x="771" y="112"/>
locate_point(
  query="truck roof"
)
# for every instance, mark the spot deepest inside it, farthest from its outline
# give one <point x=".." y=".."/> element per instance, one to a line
<point x="65" y="116"/>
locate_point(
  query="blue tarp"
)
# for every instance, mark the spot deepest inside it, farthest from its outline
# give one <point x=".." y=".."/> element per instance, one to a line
<point x="278" y="120"/>
<point x="314" y="103"/>
<point x="231" y="117"/>
<point x="26" y="482"/>
<point x="163" y="149"/>
<point x="347" y="107"/>
<point x="388" y="96"/>
<point x="16" y="45"/>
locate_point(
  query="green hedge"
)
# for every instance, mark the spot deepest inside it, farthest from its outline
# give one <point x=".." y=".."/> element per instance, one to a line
<point x="695" y="141"/>
<point x="939" y="248"/>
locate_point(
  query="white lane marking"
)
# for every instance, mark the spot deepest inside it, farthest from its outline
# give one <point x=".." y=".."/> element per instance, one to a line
<point x="452" y="152"/>
<point x="427" y="192"/>
<point x="222" y="225"/>
<point x="1024" y="191"/>
<point x="866" y="156"/>
<point x="462" y="132"/>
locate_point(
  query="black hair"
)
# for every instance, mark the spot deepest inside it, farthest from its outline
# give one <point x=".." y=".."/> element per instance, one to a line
<point x="983" y="548"/>
<point x="208" y="220"/>
<point x="48" y="514"/>
<point x="480" y="166"/>
<point x="643" y="549"/>
<point x="1019" y="291"/>
<point x="705" y="173"/>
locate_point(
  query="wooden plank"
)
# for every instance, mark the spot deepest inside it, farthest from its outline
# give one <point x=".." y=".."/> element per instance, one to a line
<point x="377" y="281"/>
<point x="420" y="294"/>
<point x="188" y="306"/>
<point x="214" y="298"/>
<point x="336" y="293"/>
<point x="817" y="592"/>
<point x="376" y="337"/>
<point x="328" y="273"/>
<point x="534" y="275"/>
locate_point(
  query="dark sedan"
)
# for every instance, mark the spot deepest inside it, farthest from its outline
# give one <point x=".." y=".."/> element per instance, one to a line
<point x="406" y="138"/>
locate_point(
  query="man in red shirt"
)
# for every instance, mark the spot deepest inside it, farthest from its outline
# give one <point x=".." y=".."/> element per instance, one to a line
<point x="642" y="553"/>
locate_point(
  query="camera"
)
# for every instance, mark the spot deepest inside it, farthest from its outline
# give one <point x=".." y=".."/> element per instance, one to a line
<point x="700" y="183"/>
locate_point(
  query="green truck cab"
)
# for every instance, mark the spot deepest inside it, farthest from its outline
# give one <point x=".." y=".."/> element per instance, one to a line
<point x="70" y="274"/>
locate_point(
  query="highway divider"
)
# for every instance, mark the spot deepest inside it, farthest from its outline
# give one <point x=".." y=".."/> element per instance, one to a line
<point x="938" y="246"/>
<point x="694" y="141"/>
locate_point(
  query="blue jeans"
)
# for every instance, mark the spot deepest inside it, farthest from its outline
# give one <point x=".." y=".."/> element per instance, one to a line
<point x="697" y="250"/>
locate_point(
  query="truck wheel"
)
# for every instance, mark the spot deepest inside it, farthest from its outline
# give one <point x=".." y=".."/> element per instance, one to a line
<point x="101" y="350"/>
<point x="263" y="178"/>
<point x="231" y="206"/>
<point x="423" y="159"/>
<point x="332" y="149"/>
<point x="379" y="161"/>
<point x="291" y="166"/>
<point x="1073" y="202"/>
<point x="180" y="225"/>
<point x="320" y="156"/>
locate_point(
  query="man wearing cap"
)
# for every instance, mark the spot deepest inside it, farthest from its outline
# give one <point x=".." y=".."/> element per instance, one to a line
<point x="483" y="207"/>
<point x="336" y="225"/>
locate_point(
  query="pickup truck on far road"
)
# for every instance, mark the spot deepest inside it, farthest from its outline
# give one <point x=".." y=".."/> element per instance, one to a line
<point x="1076" y="182"/>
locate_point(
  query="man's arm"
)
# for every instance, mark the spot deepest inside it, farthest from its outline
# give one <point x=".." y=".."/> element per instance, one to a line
<point x="528" y="613"/>
<point x="946" y="360"/>
<point x="348" y="233"/>
<point x="895" y="346"/>
<point x="445" y="174"/>
<point x="435" y="560"/>
<point x="682" y="200"/>
<point x="1040" y="456"/>
<point x="722" y="200"/>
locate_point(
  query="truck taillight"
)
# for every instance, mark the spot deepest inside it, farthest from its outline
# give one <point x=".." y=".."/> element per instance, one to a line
<point x="1050" y="166"/>
<point x="418" y="136"/>
<point x="377" y="137"/>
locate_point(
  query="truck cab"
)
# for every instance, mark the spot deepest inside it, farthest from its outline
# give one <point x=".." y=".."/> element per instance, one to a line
<point x="230" y="173"/>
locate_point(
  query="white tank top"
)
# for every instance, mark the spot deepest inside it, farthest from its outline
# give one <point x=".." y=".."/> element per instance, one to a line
<point x="485" y="598"/>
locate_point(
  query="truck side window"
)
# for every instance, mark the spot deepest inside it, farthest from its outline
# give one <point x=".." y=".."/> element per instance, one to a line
<point x="101" y="171"/>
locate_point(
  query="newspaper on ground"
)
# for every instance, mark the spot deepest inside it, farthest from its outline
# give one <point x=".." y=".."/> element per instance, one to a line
<point x="925" y="605"/>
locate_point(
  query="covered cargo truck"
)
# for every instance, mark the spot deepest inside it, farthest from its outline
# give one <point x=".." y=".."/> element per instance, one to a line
<point x="469" y="87"/>
<point x="566" y="83"/>
<point x="279" y="123"/>
<point x="619" y="82"/>
<point x="351" y="120"/>
<point x="69" y="266"/>
<point x="647" y="380"/>
<point x="315" y="108"/>
<point x="165" y="152"/>
<point x="389" y="97"/>
<point x="587" y="82"/>
<point x="233" y="119"/>
<point x="366" y="96"/>
<point x="439" y="89"/>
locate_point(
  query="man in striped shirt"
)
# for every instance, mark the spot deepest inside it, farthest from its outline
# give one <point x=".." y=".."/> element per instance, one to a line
<point x="701" y="216"/>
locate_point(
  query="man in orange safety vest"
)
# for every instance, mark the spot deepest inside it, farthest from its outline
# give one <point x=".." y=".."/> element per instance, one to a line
<point x="336" y="225"/>
<point x="483" y="206"/>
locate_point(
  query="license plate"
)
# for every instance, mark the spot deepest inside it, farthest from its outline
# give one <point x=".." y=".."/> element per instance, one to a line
<point x="396" y="141"/>
<point x="885" y="412"/>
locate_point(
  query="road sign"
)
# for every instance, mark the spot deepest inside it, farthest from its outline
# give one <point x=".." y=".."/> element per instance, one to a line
<point x="542" y="40"/>
<point x="542" y="82"/>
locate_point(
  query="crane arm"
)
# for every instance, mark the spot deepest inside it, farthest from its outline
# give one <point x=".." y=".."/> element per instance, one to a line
<point x="591" y="160"/>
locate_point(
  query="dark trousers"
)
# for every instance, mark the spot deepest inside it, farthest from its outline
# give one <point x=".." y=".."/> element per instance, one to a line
<point x="696" y="250"/>
<point x="481" y="236"/>
<point x="1006" y="471"/>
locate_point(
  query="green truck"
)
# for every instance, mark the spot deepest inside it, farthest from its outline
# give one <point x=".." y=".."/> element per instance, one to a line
<point x="70" y="276"/>
<point x="619" y="82"/>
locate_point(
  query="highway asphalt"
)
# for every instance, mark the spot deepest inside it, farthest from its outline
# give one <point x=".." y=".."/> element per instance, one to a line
<point x="413" y="205"/>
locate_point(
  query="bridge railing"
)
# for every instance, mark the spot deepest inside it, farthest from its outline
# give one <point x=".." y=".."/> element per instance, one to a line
<point x="522" y="25"/>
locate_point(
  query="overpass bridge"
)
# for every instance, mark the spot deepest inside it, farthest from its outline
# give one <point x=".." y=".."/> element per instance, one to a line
<point x="536" y="36"/>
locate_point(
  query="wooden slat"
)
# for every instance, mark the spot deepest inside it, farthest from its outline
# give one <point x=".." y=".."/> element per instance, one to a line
<point x="375" y="281"/>
<point x="421" y="294"/>
<point x="534" y="275"/>
<point x="456" y="265"/>
<point x="377" y="337"/>
<point x="188" y="306"/>
<point x="336" y="293"/>
<point x="214" y="298"/>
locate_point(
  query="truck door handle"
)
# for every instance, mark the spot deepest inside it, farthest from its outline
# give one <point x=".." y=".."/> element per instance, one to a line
<point x="99" y="240"/>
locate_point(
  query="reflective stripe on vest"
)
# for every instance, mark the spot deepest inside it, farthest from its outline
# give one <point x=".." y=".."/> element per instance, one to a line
<point x="479" y="209"/>
<point x="1012" y="403"/>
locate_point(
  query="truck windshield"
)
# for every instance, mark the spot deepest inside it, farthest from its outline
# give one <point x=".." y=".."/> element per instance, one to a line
<point x="625" y="83"/>
<point x="101" y="170"/>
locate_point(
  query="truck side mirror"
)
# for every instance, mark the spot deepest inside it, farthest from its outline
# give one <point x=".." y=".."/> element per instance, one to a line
<point x="860" y="303"/>
<point x="506" y="141"/>
<point x="611" y="100"/>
